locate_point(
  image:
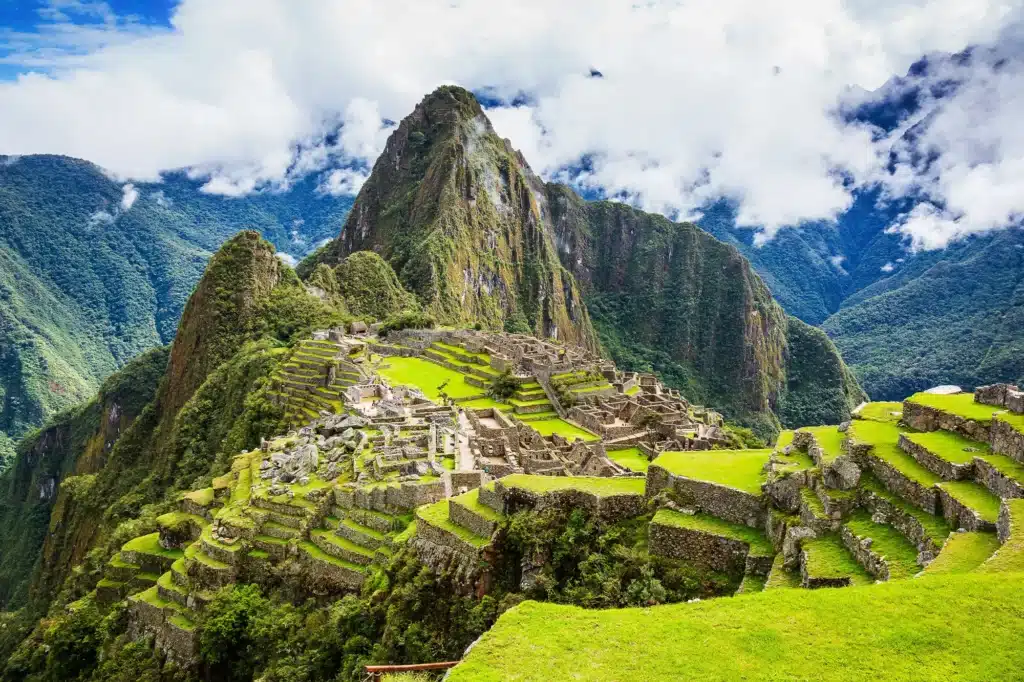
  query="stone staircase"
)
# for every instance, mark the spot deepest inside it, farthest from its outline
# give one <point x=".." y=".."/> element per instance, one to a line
<point x="313" y="380"/>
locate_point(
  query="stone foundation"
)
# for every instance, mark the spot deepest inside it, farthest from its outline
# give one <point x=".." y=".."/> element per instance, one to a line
<point x="905" y="523"/>
<point x="861" y="549"/>
<point x="938" y="466"/>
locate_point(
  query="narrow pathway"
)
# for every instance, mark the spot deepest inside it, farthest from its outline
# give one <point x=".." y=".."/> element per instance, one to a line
<point x="465" y="455"/>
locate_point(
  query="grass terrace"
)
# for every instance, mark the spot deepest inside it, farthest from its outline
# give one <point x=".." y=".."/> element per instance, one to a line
<point x="436" y="515"/>
<point x="1010" y="557"/>
<point x="828" y="558"/>
<point x="883" y="437"/>
<point x="888" y="542"/>
<point x="881" y="412"/>
<point x="549" y="427"/>
<point x="960" y="404"/>
<point x="759" y="544"/>
<point x="935" y="526"/>
<point x="471" y="501"/>
<point x="963" y="552"/>
<point x="150" y="544"/>
<point x="950" y="446"/>
<point x="975" y="496"/>
<point x="631" y="458"/>
<point x="588" y="484"/>
<point x="740" y="469"/>
<point x="935" y="628"/>
<point x="1014" y="420"/>
<point x="785" y="438"/>
<point x="427" y="376"/>
<point x="829" y="439"/>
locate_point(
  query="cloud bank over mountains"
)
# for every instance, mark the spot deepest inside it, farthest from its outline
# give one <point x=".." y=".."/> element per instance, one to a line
<point x="672" y="104"/>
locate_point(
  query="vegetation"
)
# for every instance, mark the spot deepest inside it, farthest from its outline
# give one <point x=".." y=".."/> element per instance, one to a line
<point x="961" y="627"/>
<point x="588" y="484"/>
<point x="631" y="458"/>
<point x="960" y="404"/>
<point x="429" y="377"/>
<point x="547" y="427"/>
<point x="740" y="469"/>
<point x="407" y="320"/>
<point x="963" y="552"/>
<point x="759" y="544"/>
<point x="503" y="386"/>
<point x="371" y="288"/>
<point x="949" y="446"/>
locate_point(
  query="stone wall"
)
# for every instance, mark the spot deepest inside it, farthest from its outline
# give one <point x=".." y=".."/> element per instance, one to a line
<point x="924" y="497"/>
<point x="1001" y="395"/>
<point x="906" y="524"/>
<point x="925" y="418"/>
<point x="873" y="563"/>
<point x="937" y="465"/>
<point x="713" y="551"/>
<point x="467" y="518"/>
<point x="995" y="480"/>
<point x="1007" y="440"/>
<point x="727" y="503"/>
<point x="959" y="516"/>
<point x="608" y="508"/>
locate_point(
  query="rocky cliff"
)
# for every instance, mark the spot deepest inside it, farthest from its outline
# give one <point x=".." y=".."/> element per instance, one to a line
<point x="464" y="222"/>
<point x="670" y="297"/>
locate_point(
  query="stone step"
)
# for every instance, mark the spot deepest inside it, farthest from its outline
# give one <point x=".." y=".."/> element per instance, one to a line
<point x="779" y="578"/>
<point x="1009" y="558"/>
<point x="119" y="570"/>
<point x="378" y="521"/>
<point x="709" y="541"/>
<point x="882" y="550"/>
<point x="222" y="552"/>
<point x="275" y="547"/>
<point x="279" y="530"/>
<point x="434" y="525"/>
<point x="1002" y="475"/>
<point x="179" y="573"/>
<point x="207" y="572"/>
<point x="926" y="531"/>
<point x="363" y="536"/>
<point x="948" y="455"/>
<point x="340" y="547"/>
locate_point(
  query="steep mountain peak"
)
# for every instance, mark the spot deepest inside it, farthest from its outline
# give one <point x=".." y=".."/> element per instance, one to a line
<point x="464" y="222"/>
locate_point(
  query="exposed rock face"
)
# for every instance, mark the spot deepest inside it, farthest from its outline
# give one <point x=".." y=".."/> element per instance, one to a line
<point x="464" y="222"/>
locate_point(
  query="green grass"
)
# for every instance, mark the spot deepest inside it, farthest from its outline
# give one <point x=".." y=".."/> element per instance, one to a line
<point x="182" y="621"/>
<point x="881" y="412"/>
<point x="427" y="376"/>
<point x="883" y="437"/>
<point x="152" y="597"/>
<point x="588" y="484"/>
<point x="376" y="535"/>
<point x="813" y="503"/>
<point x="975" y="496"/>
<point x="899" y="553"/>
<point x="344" y="543"/>
<point x="780" y="578"/>
<point x="963" y="552"/>
<point x="436" y="515"/>
<point x="960" y="404"/>
<point x="548" y="427"/>
<point x="1010" y="557"/>
<point x="631" y="458"/>
<point x="759" y="544"/>
<point x="951" y="447"/>
<point x="471" y="501"/>
<point x="483" y="404"/>
<point x="1007" y="466"/>
<point x="1014" y="420"/>
<point x="785" y="438"/>
<point x="828" y="558"/>
<point x="118" y="562"/>
<point x="829" y="439"/>
<point x="317" y="553"/>
<point x="203" y="497"/>
<point x="739" y="469"/>
<point x="931" y="628"/>
<point x="150" y="544"/>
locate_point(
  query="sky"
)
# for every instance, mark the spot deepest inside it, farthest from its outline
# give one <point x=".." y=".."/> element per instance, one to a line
<point x="673" y="104"/>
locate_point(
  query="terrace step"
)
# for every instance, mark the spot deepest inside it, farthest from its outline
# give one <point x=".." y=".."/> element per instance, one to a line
<point x="879" y="548"/>
<point x="779" y="578"/>
<point x="710" y="541"/>
<point x="1009" y="558"/>
<point x="341" y="548"/>
<point x="968" y="505"/>
<point x="434" y="524"/>
<point x="963" y="552"/>
<point x="280" y="531"/>
<point x="1002" y="475"/>
<point x="948" y="455"/>
<point x="207" y="572"/>
<point x="167" y="589"/>
<point x="825" y="562"/>
<point x="342" y="574"/>
<point x="364" y="536"/>
<point x="467" y="511"/>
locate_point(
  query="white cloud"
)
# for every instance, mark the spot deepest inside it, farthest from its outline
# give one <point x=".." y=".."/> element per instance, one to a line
<point x="888" y="267"/>
<point x="342" y="182"/>
<point x="287" y="259"/>
<point x="129" y="196"/>
<point x="161" y="199"/>
<point x="698" y="100"/>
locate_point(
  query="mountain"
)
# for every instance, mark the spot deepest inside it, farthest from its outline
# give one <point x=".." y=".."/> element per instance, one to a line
<point x="160" y="424"/>
<point x="463" y="220"/>
<point x="94" y="272"/>
<point x="478" y="237"/>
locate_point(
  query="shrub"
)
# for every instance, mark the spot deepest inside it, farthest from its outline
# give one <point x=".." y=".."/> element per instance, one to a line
<point x="407" y="319"/>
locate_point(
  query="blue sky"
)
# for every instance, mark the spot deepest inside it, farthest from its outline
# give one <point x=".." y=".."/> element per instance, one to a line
<point x="22" y="19"/>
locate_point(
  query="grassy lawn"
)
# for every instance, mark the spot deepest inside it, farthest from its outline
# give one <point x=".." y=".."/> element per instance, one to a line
<point x="785" y="438"/>
<point x="471" y="501"/>
<point x="588" y="484"/>
<point x="1014" y="420"/>
<point x="949" y="446"/>
<point x="886" y="541"/>
<point x="935" y="526"/>
<point x="975" y="496"/>
<point x="739" y="469"/>
<point x="427" y="376"/>
<point x="548" y="427"/>
<point x="884" y="438"/>
<point x="759" y="544"/>
<point x="631" y="458"/>
<point x="1007" y="466"/>
<point x="829" y="439"/>
<point x="881" y="412"/>
<point x="961" y="404"/>
<point x="932" y="628"/>
<point x="484" y="403"/>
<point x="963" y="552"/>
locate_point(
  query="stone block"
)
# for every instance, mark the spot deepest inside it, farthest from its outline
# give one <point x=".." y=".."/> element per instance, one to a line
<point x="713" y="551"/>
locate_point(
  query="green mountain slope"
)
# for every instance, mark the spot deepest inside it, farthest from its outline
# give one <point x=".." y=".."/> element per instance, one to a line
<point x="89" y="280"/>
<point x="670" y="297"/>
<point x="461" y="218"/>
<point x="471" y="230"/>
